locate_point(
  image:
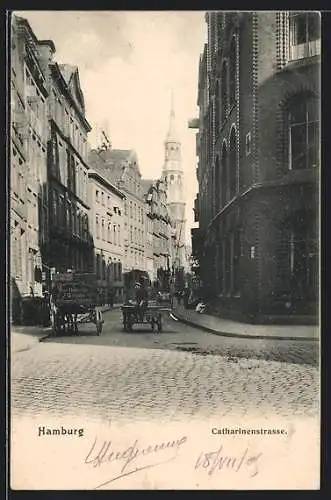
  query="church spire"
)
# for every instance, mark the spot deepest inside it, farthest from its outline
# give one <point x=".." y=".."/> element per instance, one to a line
<point x="172" y="134"/>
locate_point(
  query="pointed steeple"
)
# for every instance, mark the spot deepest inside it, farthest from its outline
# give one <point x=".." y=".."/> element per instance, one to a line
<point x="172" y="133"/>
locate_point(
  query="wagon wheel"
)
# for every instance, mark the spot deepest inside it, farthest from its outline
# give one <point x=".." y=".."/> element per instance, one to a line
<point x="129" y="326"/>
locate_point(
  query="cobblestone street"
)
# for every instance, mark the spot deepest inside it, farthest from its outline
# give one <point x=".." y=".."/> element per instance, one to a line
<point x="103" y="377"/>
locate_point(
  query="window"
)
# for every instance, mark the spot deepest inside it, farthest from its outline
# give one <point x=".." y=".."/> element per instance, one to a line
<point x="248" y="144"/>
<point x="232" y="82"/>
<point x="303" y="123"/>
<point x="109" y="232"/>
<point x="224" y="91"/>
<point x="224" y="163"/>
<point x="217" y="108"/>
<point x="103" y="237"/>
<point x="97" y="227"/>
<point x="119" y="234"/>
<point x="97" y="196"/>
<point x="115" y="235"/>
<point x="233" y="164"/>
<point x="217" y="185"/>
<point x="304" y="34"/>
<point x="102" y="198"/>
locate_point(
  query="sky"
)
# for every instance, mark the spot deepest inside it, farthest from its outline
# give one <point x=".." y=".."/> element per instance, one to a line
<point x="128" y="63"/>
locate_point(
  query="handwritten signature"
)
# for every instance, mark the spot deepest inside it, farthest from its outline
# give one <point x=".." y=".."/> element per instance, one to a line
<point x="218" y="460"/>
<point x="131" y="459"/>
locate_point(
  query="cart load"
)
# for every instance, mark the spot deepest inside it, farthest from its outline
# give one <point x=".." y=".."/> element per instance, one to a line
<point x="76" y="298"/>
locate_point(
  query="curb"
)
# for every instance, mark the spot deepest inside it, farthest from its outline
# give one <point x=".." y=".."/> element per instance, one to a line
<point x="240" y="335"/>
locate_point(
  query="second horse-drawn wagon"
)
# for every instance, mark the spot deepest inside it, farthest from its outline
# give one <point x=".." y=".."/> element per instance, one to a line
<point x="75" y="299"/>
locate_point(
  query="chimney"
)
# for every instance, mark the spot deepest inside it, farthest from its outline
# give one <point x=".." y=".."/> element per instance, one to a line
<point x="46" y="49"/>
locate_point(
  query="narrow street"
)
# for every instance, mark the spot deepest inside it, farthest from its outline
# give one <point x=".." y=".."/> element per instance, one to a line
<point x="139" y="374"/>
<point x="178" y="336"/>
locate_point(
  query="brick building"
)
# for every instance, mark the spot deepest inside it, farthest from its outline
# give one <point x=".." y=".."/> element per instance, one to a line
<point x="28" y="167"/>
<point x="107" y="227"/>
<point x="258" y="148"/>
<point x="121" y="168"/>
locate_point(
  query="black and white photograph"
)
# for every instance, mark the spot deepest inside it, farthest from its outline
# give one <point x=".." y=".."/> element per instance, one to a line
<point x="164" y="249"/>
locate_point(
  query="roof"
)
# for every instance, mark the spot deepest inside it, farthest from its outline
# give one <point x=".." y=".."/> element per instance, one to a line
<point x="146" y="184"/>
<point x="67" y="71"/>
<point x="172" y="135"/>
<point x="105" y="181"/>
<point x="110" y="163"/>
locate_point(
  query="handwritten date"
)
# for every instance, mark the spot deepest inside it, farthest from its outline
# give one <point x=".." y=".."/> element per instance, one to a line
<point x="218" y="460"/>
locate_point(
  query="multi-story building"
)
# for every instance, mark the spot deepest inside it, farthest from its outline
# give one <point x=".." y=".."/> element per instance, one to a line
<point x="258" y="148"/>
<point x="173" y="177"/>
<point x="107" y="227"/>
<point x="70" y="243"/>
<point x="159" y="231"/>
<point x="122" y="169"/>
<point x="29" y="134"/>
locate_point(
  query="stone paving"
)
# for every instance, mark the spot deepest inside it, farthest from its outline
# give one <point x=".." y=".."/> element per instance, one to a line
<point x="119" y="382"/>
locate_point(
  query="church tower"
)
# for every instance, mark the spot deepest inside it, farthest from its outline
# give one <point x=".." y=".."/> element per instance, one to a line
<point x="173" y="176"/>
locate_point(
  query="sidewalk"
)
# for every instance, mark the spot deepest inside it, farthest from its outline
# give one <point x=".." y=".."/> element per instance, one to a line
<point x="229" y="328"/>
<point x="23" y="337"/>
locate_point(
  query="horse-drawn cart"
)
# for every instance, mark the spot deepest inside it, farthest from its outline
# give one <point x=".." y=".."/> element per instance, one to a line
<point x="75" y="300"/>
<point x="151" y="313"/>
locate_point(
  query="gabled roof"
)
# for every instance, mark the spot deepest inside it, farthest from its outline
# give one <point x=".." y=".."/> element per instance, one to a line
<point x="70" y="75"/>
<point x="111" y="163"/>
<point x="67" y="71"/>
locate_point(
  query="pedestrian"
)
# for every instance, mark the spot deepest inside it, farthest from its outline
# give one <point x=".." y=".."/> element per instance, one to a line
<point x="141" y="300"/>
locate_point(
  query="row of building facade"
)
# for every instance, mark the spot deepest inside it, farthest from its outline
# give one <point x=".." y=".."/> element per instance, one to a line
<point x="72" y="207"/>
<point x="258" y="163"/>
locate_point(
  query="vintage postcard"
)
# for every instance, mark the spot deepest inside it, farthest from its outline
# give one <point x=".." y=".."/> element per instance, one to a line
<point x="164" y="249"/>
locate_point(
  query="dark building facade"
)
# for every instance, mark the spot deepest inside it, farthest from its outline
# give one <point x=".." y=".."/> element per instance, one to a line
<point x="70" y="244"/>
<point x="258" y="170"/>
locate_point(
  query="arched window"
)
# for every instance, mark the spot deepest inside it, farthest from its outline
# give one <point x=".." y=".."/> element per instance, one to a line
<point x="233" y="164"/>
<point x="224" y="163"/>
<point x="232" y="79"/>
<point x="172" y="178"/>
<point x="217" y="185"/>
<point x="303" y="132"/>
<point x="225" y="105"/>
